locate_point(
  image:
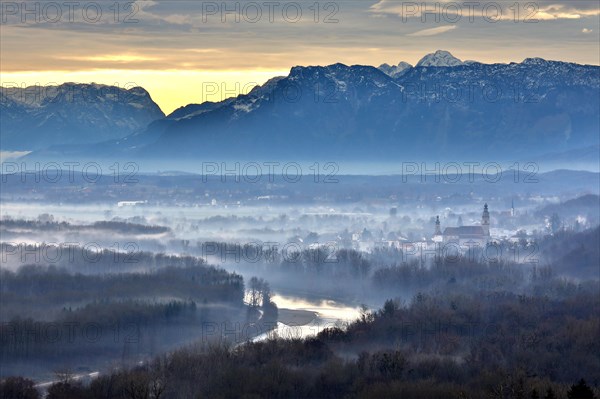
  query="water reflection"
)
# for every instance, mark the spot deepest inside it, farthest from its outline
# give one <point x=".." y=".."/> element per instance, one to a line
<point x="301" y="318"/>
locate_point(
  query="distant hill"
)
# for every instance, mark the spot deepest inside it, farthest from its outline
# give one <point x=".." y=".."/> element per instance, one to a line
<point x="585" y="205"/>
<point x="359" y="112"/>
<point x="41" y="116"/>
<point x="443" y="108"/>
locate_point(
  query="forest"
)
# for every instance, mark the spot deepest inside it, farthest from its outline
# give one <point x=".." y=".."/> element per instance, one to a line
<point x="487" y="344"/>
<point x="102" y="312"/>
<point x="163" y="325"/>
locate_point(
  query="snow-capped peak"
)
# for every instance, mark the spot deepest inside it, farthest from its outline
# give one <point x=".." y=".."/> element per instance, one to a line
<point x="395" y="70"/>
<point x="440" y="58"/>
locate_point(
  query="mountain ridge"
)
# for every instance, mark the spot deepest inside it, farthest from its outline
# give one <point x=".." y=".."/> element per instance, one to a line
<point x="340" y="98"/>
<point x="471" y="109"/>
<point x="36" y="117"/>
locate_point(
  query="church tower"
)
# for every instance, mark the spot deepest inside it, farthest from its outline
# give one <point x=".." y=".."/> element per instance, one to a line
<point x="485" y="220"/>
<point x="438" y="229"/>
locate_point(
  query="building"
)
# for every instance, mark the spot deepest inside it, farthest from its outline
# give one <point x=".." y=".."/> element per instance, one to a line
<point x="467" y="236"/>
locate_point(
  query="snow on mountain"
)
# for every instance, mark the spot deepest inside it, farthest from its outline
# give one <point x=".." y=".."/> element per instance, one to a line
<point x="39" y="116"/>
<point x="395" y="70"/>
<point x="440" y="58"/>
<point x="340" y="111"/>
<point x="479" y="111"/>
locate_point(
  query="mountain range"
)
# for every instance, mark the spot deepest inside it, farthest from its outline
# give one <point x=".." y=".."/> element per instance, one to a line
<point x="440" y="108"/>
<point x="37" y="117"/>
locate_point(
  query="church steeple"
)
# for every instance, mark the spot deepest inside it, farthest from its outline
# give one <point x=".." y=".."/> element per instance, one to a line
<point x="438" y="229"/>
<point x="485" y="220"/>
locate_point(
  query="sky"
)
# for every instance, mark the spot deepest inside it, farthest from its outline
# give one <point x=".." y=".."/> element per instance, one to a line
<point x="186" y="52"/>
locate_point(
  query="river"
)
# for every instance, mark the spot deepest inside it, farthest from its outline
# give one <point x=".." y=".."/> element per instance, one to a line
<point x="301" y="318"/>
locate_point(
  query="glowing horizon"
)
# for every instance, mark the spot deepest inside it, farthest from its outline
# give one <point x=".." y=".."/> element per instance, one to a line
<point x="169" y="89"/>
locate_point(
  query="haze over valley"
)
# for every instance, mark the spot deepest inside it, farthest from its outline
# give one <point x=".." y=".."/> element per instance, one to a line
<point x="299" y="200"/>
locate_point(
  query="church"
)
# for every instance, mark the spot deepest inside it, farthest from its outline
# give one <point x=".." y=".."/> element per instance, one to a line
<point x="465" y="235"/>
